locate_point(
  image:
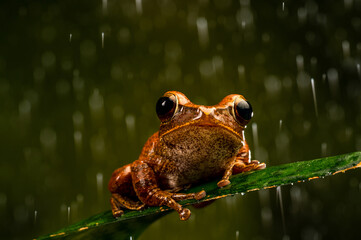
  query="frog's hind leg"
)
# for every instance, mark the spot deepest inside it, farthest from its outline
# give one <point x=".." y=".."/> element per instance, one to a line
<point x="116" y="208"/>
<point x="119" y="202"/>
<point x="123" y="195"/>
<point x="126" y="202"/>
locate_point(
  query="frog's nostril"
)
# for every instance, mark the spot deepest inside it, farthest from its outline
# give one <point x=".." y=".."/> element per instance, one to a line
<point x="206" y="110"/>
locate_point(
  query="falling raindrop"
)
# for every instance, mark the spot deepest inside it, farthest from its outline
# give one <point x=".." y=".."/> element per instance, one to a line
<point x="346" y="49"/>
<point x="302" y="15"/>
<point x="139" y="6"/>
<point x="99" y="178"/>
<point x="70" y="37"/>
<point x="279" y="196"/>
<point x="237" y="235"/>
<point x="241" y="73"/>
<point x="78" y="142"/>
<point x="78" y="84"/>
<point x="244" y="15"/>
<point x="102" y="39"/>
<point x="202" y="27"/>
<point x="96" y="104"/>
<point x="80" y="198"/>
<point x="130" y="123"/>
<point x="266" y="216"/>
<point x="35" y="216"/>
<point x="299" y="62"/>
<point x="96" y="101"/>
<point x="313" y="61"/>
<point x="255" y="134"/>
<point x="314" y="95"/>
<point x="68" y="212"/>
<point x="324" y="77"/>
<point x="283" y="6"/>
<point x="217" y="62"/>
<point x="105" y="6"/>
<point x="280" y="124"/>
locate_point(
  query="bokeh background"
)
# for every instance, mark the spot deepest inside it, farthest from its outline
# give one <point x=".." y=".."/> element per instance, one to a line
<point x="78" y="86"/>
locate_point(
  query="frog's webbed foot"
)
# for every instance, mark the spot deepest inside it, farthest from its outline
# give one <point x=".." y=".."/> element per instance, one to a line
<point x="119" y="202"/>
<point x="239" y="166"/>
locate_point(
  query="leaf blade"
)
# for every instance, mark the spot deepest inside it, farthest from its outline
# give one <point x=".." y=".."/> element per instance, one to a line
<point x="250" y="181"/>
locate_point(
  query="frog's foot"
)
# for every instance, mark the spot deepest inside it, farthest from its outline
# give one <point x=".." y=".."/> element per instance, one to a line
<point x="223" y="183"/>
<point x="159" y="197"/>
<point x="116" y="209"/>
<point x="119" y="202"/>
<point x="241" y="166"/>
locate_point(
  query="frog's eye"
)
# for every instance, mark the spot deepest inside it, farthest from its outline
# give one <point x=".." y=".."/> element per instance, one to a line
<point x="242" y="110"/>
<point x="166" y="107"/>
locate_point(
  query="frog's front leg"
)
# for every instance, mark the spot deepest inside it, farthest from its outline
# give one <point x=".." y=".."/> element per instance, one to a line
<point x="238" y="164"/>
<point x="147" y="190"/>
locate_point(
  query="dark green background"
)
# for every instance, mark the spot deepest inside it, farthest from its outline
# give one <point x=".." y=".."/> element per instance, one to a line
<point x="72" y="109"/>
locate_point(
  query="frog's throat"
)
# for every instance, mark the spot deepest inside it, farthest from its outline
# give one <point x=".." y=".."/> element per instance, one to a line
<point x="218" y="125"/>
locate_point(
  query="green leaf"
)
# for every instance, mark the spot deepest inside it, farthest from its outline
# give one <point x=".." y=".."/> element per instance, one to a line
<point x="132" y="223"/>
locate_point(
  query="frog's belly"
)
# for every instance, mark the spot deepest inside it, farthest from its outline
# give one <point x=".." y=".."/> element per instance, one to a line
<point x="199" y="156"/>
<point x="177" y="176"/>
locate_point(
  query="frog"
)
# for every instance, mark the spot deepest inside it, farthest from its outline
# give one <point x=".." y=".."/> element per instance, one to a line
<point x="194" y="144"/>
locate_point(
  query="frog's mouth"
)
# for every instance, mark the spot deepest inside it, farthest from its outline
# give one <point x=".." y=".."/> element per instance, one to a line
<point x="202" y="124"/>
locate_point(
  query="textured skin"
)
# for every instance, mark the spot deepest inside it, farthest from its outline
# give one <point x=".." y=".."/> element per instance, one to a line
<point x="197" y="144"/>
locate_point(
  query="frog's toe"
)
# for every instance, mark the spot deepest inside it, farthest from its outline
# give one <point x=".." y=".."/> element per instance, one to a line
<point x="117" y="213"/>
<point x="261" y="166"/>
<point x="223" y="183"/>
<point x="184" y="214"/>
<point x="200" y="195"/>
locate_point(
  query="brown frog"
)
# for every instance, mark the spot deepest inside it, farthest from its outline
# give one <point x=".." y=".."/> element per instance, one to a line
<point x="195" y="143"/>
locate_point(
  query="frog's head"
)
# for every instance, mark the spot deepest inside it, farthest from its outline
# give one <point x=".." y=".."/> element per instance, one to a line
<point x="179" y="116"/>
